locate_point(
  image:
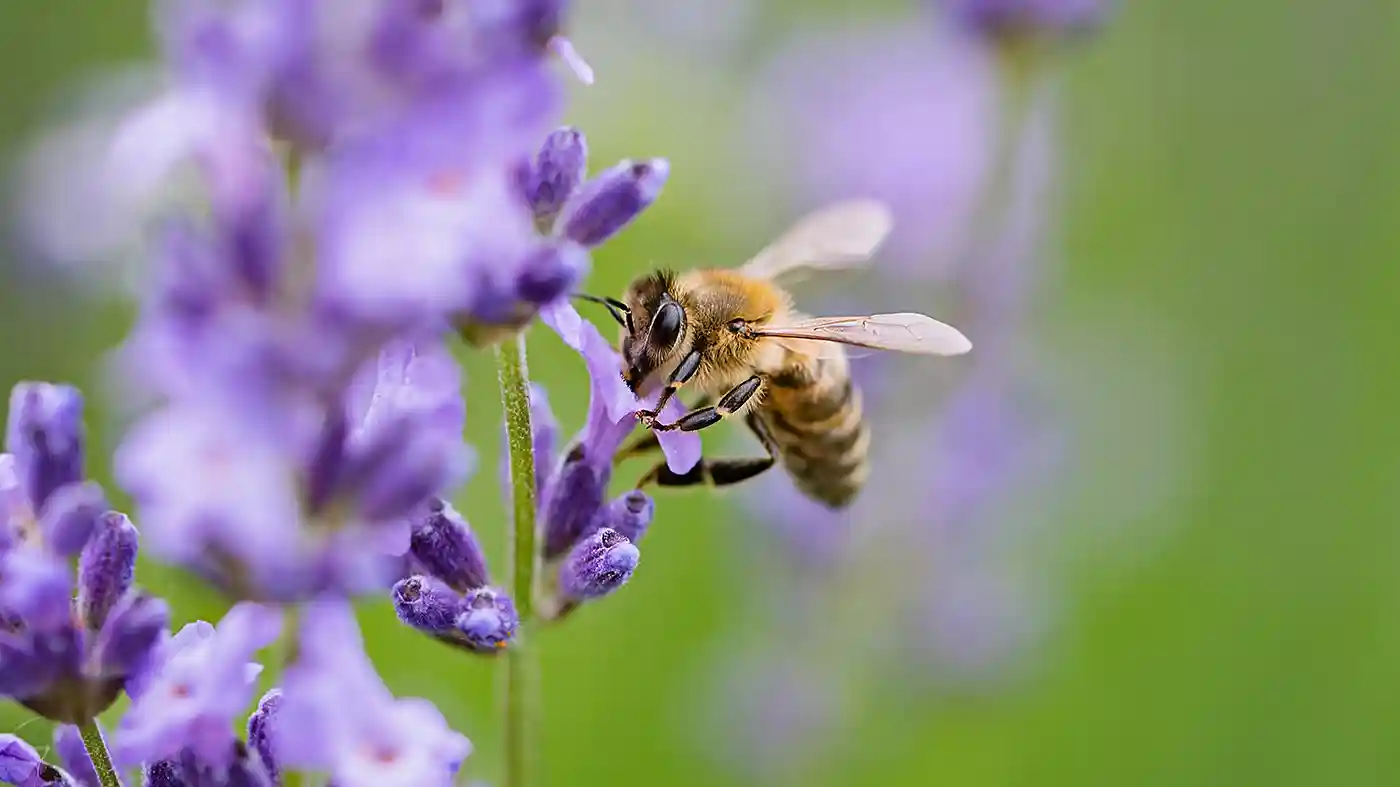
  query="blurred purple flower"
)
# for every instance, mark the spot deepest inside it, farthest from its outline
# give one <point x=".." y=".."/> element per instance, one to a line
<point x="903" y="115"/>
<point x="64" y="658"/>
<point x="556" y="172"/>
<point x="200" y="679"/>
<point x="338" y="717"/>
<point x="309" y="499"/>
<point x="261" y="738"/>
<point x="612" y="199"/>
<point x="21" y="765"/>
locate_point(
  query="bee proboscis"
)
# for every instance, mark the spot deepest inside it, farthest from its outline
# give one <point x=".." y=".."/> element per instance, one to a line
<point x="732" y="337"/>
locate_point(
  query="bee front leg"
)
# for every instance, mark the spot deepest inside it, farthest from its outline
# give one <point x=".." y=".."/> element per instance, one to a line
<point x="705" y="417"/>
<point x="680" y="375"/>
<point x="648" y="442"/>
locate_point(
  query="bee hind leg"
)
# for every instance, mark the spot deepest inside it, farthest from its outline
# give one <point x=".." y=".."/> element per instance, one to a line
<point x="719" y="472"/>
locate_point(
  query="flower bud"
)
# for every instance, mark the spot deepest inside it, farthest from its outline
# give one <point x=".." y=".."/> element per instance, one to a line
<point x="426" y="604"/>
<point x="629" y="514"/>
<point x="72" y="753"/>
<point x="556" y="172"/>
<point x="614" y="198"/>
<point x="550" y="273"/>
<point x="574" y="497"/>
<point x="71" y="515"/>
<point x="488" y="620"/>
<point x="106" y="568"/>
<point x="45" y="435"/>
<point x="444" y="545"/>
<point x="599" y="565"/>
<point x="260" y="732"/>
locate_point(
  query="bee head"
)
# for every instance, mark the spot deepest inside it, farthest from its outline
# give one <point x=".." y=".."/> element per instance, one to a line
<point x="652" y="335"/>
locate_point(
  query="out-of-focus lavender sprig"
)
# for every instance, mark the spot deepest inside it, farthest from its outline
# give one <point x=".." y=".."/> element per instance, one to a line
<point x="448" y="595"/>
<point x="63" y="657"/>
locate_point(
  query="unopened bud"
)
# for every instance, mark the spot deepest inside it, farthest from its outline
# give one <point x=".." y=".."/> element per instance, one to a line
<point x="598" y="565"/>
<point x="612" y="200"/>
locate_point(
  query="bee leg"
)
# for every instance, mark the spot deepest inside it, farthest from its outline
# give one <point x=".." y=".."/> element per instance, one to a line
<point x="647" y="442"/>
<point x="681" y="375"/>
<point x="720" y="472"/>
<point x="704" y="417"/>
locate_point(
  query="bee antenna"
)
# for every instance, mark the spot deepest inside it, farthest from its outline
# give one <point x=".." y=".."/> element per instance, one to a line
<point x="616" y="308"/>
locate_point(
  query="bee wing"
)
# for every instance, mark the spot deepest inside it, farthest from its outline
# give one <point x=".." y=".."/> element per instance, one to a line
<point x="841" y="235"/>
<point x="903" y="332"/>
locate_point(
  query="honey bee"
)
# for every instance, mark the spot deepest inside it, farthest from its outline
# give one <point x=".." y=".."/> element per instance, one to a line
<point x="732" y="337"/>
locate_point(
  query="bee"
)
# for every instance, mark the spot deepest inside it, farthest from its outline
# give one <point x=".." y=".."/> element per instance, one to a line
<point x="732" y="337"/>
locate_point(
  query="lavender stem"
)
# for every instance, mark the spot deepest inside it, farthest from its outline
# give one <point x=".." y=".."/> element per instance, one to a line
<point x="97" y="752"/>
<point x="520" y="708"/>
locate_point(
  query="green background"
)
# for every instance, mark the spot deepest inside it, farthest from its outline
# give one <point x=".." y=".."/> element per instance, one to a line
<point x="1229" y="178"/>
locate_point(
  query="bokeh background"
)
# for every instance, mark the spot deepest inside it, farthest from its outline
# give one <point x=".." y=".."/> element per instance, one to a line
<point x="1196" y="584"/>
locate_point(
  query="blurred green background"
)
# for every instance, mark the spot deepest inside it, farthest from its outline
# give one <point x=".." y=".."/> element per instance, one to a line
<point x="1230" y="612"/>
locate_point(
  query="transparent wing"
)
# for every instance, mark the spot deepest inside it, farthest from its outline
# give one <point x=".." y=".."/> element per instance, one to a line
<point x="841" y="235"/>
<point x="903" y="332"/>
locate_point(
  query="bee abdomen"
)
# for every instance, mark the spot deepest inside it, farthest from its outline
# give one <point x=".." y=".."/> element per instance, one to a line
<point x="823" y="439"/>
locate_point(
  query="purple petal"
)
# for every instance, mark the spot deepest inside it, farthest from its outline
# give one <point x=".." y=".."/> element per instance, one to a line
<point x="575" y="496"/>
<point x="262" y="731"/>
<point x="488" y="620"/>
<point x="445" y="546"/>
<point x="71" y="515"/>
<point x="629" y="514"/>
<point x="129" y="637"/>
<point x="556" y="172"/>
<point x="610" y="201"/>
<point x="37" y="587"/>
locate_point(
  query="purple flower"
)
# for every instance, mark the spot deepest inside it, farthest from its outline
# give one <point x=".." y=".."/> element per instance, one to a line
<point x="427" y="604"/>
<point x="338" y="717"/>
<point x="612" y="199"/>
<point x="309" y="498"/>
<point x="200" y="679"/>
<point x="1003" y="20"/>
<point x="556" y="172"/>
<point x="629" y="514"/>
<point x="597" y="566"/>
<point x="21" y="765"/>
<point x="572" y="495"/>
<point x="483" y="620"/>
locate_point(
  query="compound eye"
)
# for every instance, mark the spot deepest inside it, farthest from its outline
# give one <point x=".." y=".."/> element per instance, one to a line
<point x="666" y="325"/>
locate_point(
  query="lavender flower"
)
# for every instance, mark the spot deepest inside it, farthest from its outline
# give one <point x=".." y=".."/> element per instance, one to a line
<point x="199" y="680"/>
<point x="597" y="566"/>
<point x="21" y="765"/>
<point x="284" y="511"/>
<point x="556" y="172"/>
<point x="610" y="201"/>
<point x="337" y="717"/>
<point x="64" y="666"/>
<point x="453" y="601"/>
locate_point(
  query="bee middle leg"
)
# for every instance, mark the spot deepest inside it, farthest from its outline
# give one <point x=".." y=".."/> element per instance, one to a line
<point x="705" y="417"/>
<point x="719" y="472"/>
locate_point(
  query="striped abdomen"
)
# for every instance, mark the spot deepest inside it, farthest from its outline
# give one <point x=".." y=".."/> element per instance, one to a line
<point x="813" y="411"/>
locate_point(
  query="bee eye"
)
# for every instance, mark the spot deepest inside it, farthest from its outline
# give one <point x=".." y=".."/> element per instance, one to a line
<point x="666" y="325"/>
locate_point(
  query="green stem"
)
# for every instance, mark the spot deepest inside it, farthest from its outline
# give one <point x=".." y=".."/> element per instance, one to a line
<point x="520" y="670"/>
<point x="97" y="752"/>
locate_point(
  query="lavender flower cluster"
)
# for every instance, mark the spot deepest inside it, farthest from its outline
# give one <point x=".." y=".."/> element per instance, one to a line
<point x="330" y="192"/>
